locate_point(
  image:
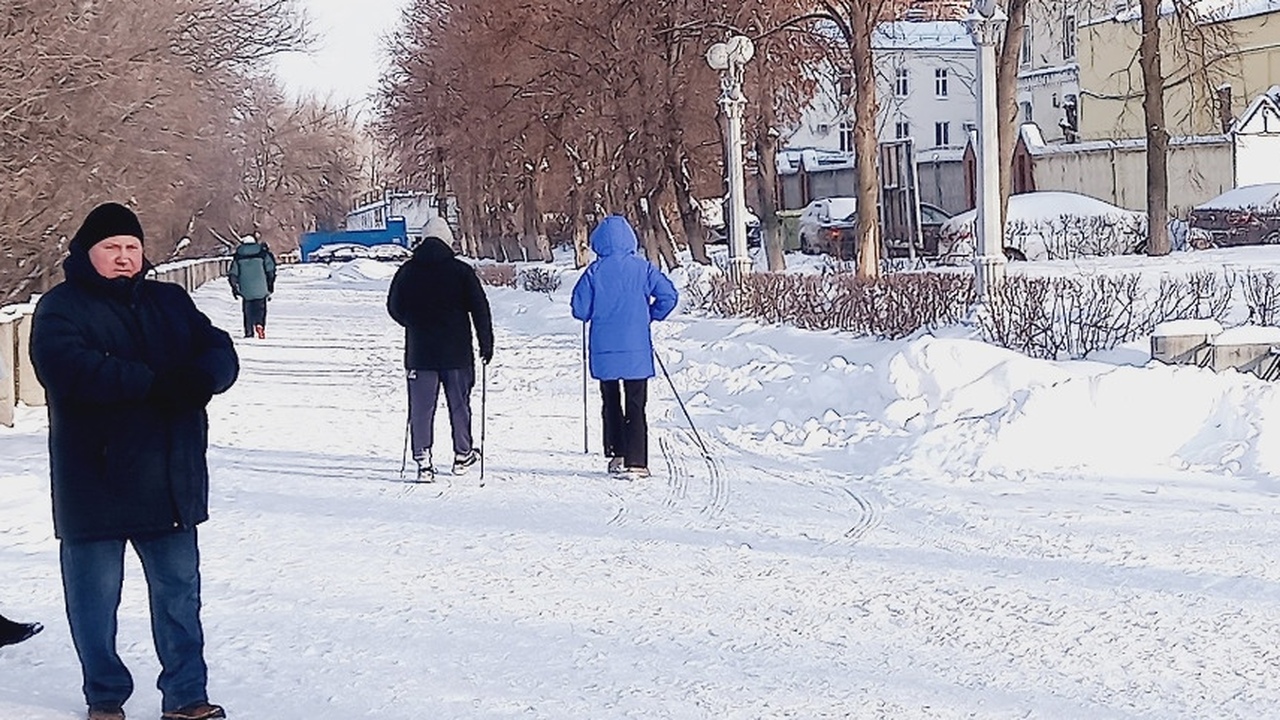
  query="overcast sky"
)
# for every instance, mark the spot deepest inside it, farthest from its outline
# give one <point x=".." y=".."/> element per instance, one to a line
<point x="348" y="55"/>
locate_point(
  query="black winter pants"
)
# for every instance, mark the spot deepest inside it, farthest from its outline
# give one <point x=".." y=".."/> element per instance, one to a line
<point x="424" y="393"/>
<point x="255" y="313"/>
<point x="626" y="432"/>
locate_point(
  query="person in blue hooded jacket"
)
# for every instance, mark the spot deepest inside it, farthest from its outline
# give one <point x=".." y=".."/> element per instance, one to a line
<point x="619" y="295"/>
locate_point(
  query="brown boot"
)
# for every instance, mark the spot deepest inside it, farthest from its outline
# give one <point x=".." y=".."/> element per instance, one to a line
<point x="105" y="714"/>
<point x="199" y="711"/>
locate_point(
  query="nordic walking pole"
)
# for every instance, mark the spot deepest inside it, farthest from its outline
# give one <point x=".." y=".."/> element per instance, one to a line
<point x="483" y="392"/>
<point x="586" y="448"/>
<point x="696" y="436"/>
<point x="404" y="454"/>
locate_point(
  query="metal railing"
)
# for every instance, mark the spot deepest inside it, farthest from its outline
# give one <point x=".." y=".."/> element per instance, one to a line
<point x="18" y="382"/>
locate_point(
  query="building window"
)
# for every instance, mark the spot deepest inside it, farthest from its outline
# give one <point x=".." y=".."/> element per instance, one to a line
<point x="846" y="136"/>
<point x="1026" y="112"/>
<point x="901" y="82"/>
<point x="1025" y="56"/>
<point x="902" y="130"/>
<point x="1068" y="34"/>
<point x="940" y="77"/>
<point x="942" y="134"/>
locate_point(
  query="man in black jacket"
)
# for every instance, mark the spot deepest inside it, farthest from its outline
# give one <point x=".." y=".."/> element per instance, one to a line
<point x="128" y="366"/>
<point x="437" y="298"/>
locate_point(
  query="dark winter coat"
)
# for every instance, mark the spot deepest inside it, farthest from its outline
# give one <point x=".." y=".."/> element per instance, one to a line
<point x="620" y="293"/>
<point x="124" y="462"/>
<point x="437" y="298"/>
<point x="253" y="271"/>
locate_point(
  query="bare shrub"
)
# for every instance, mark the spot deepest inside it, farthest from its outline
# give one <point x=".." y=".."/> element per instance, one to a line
<point x="1262" y="296"/>
<point x="539" y="280"/>
<point x="893" y="306"/>
<point x="1060" y="317"/>
<point x="497" y="275"/>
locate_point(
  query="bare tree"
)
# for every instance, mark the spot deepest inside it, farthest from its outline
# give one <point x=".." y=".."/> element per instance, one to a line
<point x="1157" y="133"/>
<point x="856" y="21"/>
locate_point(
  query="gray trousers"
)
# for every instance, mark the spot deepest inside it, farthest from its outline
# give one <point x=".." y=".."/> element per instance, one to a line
<point x="424" y="392"/>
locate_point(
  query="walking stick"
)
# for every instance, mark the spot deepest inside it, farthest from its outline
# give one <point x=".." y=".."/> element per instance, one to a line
<point x="705" y="453"/>
<point x="483" y="393"/>
<point x="586" y="448"/>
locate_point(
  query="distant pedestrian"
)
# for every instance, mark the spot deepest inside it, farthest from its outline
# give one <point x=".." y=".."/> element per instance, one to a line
<point x="128" y="365"/>
<point x="12" y="633"/>
<point x="253" y="279"/>
<point x="620" y="294"/>
<point x="438" y="298"/>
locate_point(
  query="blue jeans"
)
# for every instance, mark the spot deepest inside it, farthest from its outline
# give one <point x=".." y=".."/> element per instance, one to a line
<point x="92" y="576"/>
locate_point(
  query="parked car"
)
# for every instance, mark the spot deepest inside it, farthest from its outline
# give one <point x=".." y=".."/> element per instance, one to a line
<point x="346" y="252"/>
<point x="1247" y="215"/>
<point x="932" y="218"/>
<point x="714" y="212"/>
<point x="1051" y="225"/>
<point x="830" y="226"/>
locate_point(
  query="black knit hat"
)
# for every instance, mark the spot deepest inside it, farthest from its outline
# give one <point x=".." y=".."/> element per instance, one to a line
<point x="104" y="221"/>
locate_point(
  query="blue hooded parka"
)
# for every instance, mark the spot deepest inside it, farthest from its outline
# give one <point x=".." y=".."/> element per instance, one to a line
<point x="620" y="293"/>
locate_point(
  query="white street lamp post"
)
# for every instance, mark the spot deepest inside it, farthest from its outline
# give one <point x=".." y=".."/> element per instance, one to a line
<point x="730" y="58"/>
<point x="986" y="22"/>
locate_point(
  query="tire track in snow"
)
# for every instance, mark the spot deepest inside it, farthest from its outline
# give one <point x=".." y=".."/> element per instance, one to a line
<point x="869" y="517"/>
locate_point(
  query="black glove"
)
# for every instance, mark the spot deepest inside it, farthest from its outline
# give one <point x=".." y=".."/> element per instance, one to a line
<point x="182" y="388"/>
<point x="486" y="355"/>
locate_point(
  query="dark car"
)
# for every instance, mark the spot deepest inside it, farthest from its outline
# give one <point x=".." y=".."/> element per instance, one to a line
<point x="932" y="218"/>
<point x="1247" y="215"/>
<point x="830" y="226"/>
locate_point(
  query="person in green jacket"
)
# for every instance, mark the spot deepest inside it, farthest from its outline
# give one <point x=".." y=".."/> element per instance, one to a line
<point x="253" y="279"/>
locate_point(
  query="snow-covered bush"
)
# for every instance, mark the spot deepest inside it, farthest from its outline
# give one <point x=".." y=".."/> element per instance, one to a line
<point x="536" y="279"/>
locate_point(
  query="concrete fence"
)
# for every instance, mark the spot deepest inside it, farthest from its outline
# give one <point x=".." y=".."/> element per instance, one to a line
<point x="18" y="382"/>
<point x="1249" y="349"/>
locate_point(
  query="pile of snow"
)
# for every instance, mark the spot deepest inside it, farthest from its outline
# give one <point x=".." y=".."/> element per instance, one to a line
<point x="362" y="270"/>
<point x="1051" y="225"/>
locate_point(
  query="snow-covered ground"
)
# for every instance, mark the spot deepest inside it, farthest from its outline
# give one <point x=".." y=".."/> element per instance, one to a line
<point x="930" y="528"/>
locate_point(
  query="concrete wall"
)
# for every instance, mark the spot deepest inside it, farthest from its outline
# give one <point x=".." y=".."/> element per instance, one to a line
<point x="1111" y="82"/>
<point x="1199" y="170"/>
<point x="18" y="382"/>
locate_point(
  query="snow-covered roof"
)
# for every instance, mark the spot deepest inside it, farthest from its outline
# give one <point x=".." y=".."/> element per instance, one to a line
<point x="1248" y="335"/>
<point x="792" y="161"/>
<point x="1257" y="197"/>
<point x="1208" y="10"/>
<point x="947" y="35"/>
<point x="1191" y="326"/>
<point x="1268" y="102"/>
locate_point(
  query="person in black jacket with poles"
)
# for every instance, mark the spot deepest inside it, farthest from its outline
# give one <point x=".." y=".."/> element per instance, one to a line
<point x="437" y="298"/>
<point x="128" y="366"/>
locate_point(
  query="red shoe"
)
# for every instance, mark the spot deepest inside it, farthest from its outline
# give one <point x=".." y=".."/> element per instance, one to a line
<point x="260" y="331"/>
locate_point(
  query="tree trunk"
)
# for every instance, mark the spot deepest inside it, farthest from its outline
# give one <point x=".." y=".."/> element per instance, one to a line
<point x="865" y="144"/>
<point x="1007" y="97"/>
<point x="1157" y="133"/>
<point x="767" y="182"/>
<point x="695" y="235"/>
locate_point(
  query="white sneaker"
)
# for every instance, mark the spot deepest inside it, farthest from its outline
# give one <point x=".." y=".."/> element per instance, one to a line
<point x="426" y="472"/>
<point x="465" y="460"/>
<point x="636" y="472"/>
